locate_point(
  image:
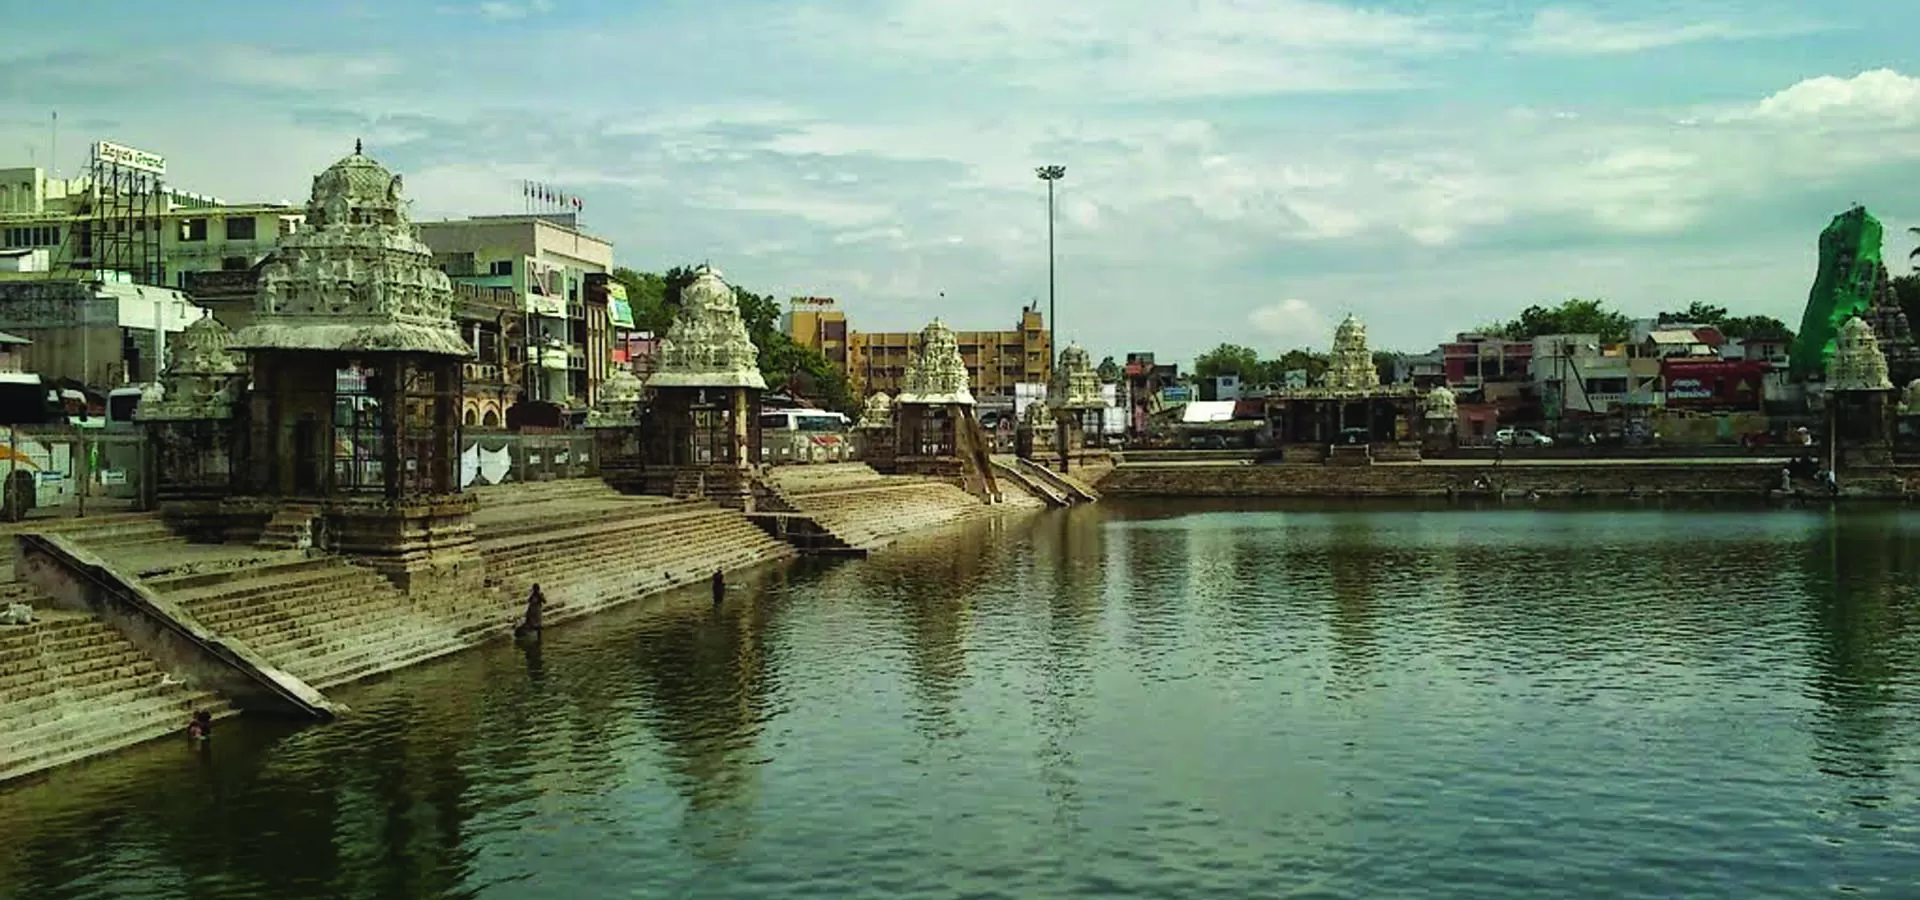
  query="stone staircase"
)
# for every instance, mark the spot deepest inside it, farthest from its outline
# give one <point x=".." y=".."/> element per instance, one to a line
<point x="867" y="510"/>
<point x="72" y="687"/>
<point x="1045" y="492"/>
<point x="330" y="622"/>
<point x="583" y="566"/>
<point x="291" y="528"/>
<point x="1073" y="488"/>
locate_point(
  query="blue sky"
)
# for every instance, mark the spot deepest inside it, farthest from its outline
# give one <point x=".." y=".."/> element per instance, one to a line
<point x="1245" y="171"/>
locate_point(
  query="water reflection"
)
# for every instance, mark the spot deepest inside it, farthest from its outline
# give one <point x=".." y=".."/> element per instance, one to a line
<point x="1860" y="572"/>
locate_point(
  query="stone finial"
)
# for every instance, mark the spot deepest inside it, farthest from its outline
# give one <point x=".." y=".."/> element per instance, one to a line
<point x="877" y="414"/>
<point x="1440" y="404"/>
<point x="355" y="278"/>
<point x="201" y="382"/>
<point x="1074" y="384"/>
<point x="1351" y="365"/>
<point x="1857" y="363"/>
<point x="619" y="400"/>
<point x="936" y="375"/>
<point x="708" y="345"/>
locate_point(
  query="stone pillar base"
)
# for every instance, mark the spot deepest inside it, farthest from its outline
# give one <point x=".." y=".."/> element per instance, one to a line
<point x="422" y="545"/>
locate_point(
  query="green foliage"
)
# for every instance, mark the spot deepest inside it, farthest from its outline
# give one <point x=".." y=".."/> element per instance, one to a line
<point x="1384" y="362"/>
<point x="1228" y="359"/>
<point x="804" y="371"/>
<point x="1736" y="327"/>
<point x="1573" y="316"/>
<point x="1314" y="362"/>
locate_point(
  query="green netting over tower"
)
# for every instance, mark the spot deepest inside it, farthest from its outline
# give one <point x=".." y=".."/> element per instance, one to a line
<point x="1842" y="288"/>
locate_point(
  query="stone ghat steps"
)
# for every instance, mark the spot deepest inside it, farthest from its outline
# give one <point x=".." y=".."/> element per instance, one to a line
<point x="518" y="494"/>
<point x="328" y="621"/>
<point x="597" y="565"/>
<point x="813" y="479"/>
<point x="873" y="518"/>
<point x="546" y="517"/>
<point x="1032" y="486"/>
<point x="72" y="687"/>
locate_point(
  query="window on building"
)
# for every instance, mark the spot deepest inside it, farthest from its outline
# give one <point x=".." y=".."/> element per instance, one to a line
<point x="240" y="228"/>
<point x="500" y="267"/>
<point x="193" y="229"/>
<point x="234" y="264"/>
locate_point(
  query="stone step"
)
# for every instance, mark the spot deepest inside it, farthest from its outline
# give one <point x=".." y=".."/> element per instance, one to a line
<point x="200" y="583"/>
<point x="103" y="730"/>
<point x="654" y="524"/>
<point x="635" y="556"/>
<point x="605" y="551"/>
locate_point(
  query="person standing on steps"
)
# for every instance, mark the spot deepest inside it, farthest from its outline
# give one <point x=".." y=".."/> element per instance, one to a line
<point x="529" y="627"/>
<point x="200" y="730"/>
<point x="719" y="586"/>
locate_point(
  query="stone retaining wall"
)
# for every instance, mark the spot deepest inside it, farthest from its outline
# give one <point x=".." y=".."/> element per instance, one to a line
<point x="1417" y="480"/>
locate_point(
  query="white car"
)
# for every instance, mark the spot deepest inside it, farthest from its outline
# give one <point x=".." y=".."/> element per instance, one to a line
<point x="1521" y="437"/>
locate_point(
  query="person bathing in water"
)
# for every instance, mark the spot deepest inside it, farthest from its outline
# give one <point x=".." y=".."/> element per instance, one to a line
<point x="719" y="586"/>
<point x="200" y="730"/>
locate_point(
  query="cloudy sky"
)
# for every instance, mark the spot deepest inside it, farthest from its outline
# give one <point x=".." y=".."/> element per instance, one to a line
<point x="1246" y="170"/>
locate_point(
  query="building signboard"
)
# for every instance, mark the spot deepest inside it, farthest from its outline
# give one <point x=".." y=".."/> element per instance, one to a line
<point x="619" y="311"/>
<point x="1176" y="394"/>
<point x="128" y="157"/>
<point x="1688" y="389"/>
<point x="811" y="302"/>
<point x="546" y="294"/>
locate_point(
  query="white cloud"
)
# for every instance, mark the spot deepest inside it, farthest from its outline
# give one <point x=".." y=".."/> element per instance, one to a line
<point x="501" y="10"/>
<point x="1291" y="323"/>
<point x="1877" y="94"/>
<point x="1559" y="30"/>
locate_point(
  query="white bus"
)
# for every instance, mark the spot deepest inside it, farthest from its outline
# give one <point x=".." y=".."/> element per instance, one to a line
<point x="804" y="436"/>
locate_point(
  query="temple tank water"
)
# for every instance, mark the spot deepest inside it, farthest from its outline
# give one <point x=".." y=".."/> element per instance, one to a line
<point x="1125" y="700"/>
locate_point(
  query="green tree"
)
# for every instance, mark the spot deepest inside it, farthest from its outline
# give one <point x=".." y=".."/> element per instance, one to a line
<point x="1697" y="313"/>
<point x="647" y="293"/>
<point x="1906" y="291"/>
<point x="1573" y="316"/>
<point x="1314" y="362"/>
<point x="1228" y="359"/>
<point x="1385" y="362"/>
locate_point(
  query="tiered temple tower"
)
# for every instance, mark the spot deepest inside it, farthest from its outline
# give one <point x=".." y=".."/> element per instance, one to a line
<point x="702" y="426"/>
<point x="1072" y="392"/>
<point x="1351" y="365"/>
<point x="353" y="420"/>
<point x="937" y="433"/>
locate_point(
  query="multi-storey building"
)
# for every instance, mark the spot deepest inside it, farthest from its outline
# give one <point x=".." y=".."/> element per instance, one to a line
<point x="996" y="360"/>
<point x="546" y="260"/>
<point x="74" y="223"/>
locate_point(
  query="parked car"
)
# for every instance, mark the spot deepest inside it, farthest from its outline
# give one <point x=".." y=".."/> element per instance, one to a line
<point x="1521" y="437"/>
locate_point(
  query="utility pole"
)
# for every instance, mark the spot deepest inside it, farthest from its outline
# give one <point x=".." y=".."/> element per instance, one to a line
<point x="1051" y="174"/>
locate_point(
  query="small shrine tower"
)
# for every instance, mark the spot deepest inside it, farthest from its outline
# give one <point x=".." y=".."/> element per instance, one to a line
<point x="354" y="416"/>
<point x="937" y="433"/>
<point x="1859" y="398"/>
<point x="874" y="432"/>
<point x="702" y="425"/>
<point x="1073" y="392"/>
<point x="615" y="423"/>
<point x="198" y="446"/>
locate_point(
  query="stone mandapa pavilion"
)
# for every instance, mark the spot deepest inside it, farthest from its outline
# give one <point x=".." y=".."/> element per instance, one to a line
<point x="352" y="424"/>
<point x="937" y="432"/>
<point x="701" y="430"/>
<point x="1859" y="398"/>
<point x="197" y="444"/>
<point x="1352" y="417"/>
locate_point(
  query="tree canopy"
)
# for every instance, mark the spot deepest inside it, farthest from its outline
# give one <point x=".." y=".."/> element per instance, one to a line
<point x="802" y="371"/>
<point x="1736" y="327"/>
<point x="1573" y="316"/>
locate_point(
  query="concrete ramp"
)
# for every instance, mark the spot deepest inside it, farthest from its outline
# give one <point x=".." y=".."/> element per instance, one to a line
<point x="76" y="580"/>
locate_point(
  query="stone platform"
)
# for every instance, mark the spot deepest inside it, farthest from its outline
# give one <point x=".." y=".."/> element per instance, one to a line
<point x="1748" y="477"/>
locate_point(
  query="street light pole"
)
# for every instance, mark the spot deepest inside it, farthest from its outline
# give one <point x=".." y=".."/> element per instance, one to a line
<point x="1051" y="174"/>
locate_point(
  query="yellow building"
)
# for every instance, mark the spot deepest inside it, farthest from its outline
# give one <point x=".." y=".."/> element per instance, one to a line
<point x="877" y="360"/>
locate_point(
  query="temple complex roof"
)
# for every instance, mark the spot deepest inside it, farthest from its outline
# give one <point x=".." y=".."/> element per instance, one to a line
<point x="936" y="375"/>
<point x="201" y="382"/>
<point x="708" y="345"/>
<point x="1074" y="384"/>
<point x="354" y="277"/>
<point x="1857" y="363"/>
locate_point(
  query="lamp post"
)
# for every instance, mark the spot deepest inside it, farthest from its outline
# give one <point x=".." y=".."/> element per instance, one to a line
<point x="1051" y="174"/>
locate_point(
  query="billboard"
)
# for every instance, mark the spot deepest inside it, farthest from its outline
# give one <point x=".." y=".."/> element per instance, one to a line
<point x="619" y="311"/>
<point x="546" y="288"/>
<point x="130" y="158"/>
